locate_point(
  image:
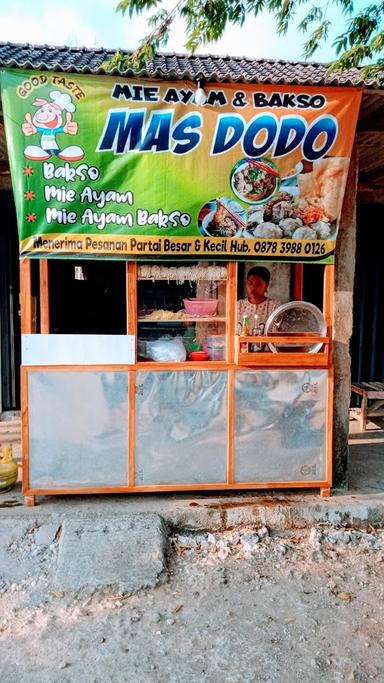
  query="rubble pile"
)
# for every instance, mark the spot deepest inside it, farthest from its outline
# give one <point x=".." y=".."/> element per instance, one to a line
<point x="246" y="544"/>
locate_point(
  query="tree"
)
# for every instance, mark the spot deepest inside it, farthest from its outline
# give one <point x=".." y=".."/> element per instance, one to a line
<point x="361" y="42"/>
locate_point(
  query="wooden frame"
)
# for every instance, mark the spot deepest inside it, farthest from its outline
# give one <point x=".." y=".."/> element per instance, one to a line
<point x="287" y="359"/>
<point x="235" y="361"/>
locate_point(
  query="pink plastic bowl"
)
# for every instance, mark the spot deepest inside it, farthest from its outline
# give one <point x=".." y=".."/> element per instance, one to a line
<point x="201" y="307"/>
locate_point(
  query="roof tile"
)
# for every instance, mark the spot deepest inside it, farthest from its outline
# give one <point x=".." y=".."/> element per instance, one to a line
<point x="180" y="66"/>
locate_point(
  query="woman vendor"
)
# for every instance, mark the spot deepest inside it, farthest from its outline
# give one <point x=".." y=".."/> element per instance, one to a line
<point x="256" y="307"/>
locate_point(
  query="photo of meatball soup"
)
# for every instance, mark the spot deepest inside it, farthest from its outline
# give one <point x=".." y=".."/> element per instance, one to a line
<point x="255" y="180"/>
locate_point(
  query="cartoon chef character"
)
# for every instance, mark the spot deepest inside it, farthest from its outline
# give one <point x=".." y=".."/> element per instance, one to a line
<point x="48" y="120"/>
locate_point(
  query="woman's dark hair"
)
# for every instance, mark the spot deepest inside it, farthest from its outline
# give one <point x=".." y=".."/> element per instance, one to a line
<point x="261" y="272"/>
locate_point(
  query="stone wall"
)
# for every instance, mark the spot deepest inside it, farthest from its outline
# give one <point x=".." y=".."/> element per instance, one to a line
<point x="343" y="303"/>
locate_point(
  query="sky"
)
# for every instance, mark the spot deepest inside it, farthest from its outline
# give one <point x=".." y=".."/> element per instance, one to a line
<point x="95" y="23"/>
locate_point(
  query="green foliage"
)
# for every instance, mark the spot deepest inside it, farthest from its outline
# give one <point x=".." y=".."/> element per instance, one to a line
<point x="117" y="62"/>
<point x="136" y="7"/>
<point x="206" y="20"/>
<point x="318" y="35"/>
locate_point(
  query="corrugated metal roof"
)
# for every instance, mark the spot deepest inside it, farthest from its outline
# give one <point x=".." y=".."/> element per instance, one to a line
<point x="180" y="66"/>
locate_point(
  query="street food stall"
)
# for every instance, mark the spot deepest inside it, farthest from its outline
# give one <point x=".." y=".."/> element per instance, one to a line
<point x="138" y="372"/>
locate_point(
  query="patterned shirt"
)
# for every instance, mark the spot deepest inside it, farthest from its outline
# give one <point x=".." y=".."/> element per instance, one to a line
<point x="263" y="311"/>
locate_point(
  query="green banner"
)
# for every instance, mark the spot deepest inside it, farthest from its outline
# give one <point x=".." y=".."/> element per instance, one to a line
<point x="117" y="168"/>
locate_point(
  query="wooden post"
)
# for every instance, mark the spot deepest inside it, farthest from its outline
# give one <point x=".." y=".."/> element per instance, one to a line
<point x="231" y="427"/>
<point x="25" y="296"/>
<point x="325" y="492"/>
<point x="29" y="501"/>
<point x="25" y="432"/>
<point x="44" y="296"/>
<point x="131" y="280"/>
<point x="231" y="307"/>
<point x="328" y="295"/>
<point x="26" y="328"/>
<point x="363" y="413"/>
<point x="131" y="427"/>
<point x="298" y="282"/>
<point x="328" y="312"/>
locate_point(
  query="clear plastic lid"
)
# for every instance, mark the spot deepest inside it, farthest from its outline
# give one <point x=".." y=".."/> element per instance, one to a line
<point x="296" y="318"/>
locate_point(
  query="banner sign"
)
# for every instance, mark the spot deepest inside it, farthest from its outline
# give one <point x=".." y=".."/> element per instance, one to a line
<point x="119" y="168"/>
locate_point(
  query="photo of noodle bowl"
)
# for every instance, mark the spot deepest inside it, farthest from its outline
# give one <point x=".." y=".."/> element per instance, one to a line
<point x="221" y="217"/>
<point x="255" y="180"/>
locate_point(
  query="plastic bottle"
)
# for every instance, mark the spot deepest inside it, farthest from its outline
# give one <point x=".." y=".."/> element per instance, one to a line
<point x="258" y="330"/>
<point x="256" y="325"/>
<point x="245" y="330"/>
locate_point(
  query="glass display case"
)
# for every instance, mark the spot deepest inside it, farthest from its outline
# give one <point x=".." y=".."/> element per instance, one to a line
<point x="181" y="434"/>
<point x="182" y="312"/>
<point x="283" y="413"/>
<point x="81" y="420"/>
<point x="178" y="400"/>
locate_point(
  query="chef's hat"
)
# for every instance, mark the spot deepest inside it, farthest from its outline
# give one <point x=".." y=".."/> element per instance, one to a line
<point x="63" y="100"/>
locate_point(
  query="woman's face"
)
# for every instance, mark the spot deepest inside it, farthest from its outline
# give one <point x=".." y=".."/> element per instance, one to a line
<point x="256" y="289"/>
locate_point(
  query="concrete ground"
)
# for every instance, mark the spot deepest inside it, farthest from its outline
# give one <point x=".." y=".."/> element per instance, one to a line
<point x="361" y="504"/>
<point x="224" y="588"/>
<point x="120" y="599"/>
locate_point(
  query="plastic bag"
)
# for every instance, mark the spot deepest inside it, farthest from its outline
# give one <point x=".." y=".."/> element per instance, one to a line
<point x="167" y="350"/>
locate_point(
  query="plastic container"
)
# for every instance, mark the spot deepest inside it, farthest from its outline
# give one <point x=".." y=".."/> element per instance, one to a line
<point x="216" y="341"/>
<point x="201" y="308"/>
<point x="216" y="346"/>
<point x="216" y="353"/>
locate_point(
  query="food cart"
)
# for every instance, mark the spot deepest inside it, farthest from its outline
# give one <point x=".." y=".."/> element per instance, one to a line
<point x="174" y="396"/>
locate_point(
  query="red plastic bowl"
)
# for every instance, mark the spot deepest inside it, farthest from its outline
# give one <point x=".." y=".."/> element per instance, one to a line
<point x="198" y="355"/>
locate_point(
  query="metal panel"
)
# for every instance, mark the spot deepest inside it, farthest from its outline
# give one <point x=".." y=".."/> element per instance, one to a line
<point x="280" y="425"/>
<point x="181" y="427"/>
<point x="368" y="310"/>
<point x="78" y="429"/>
